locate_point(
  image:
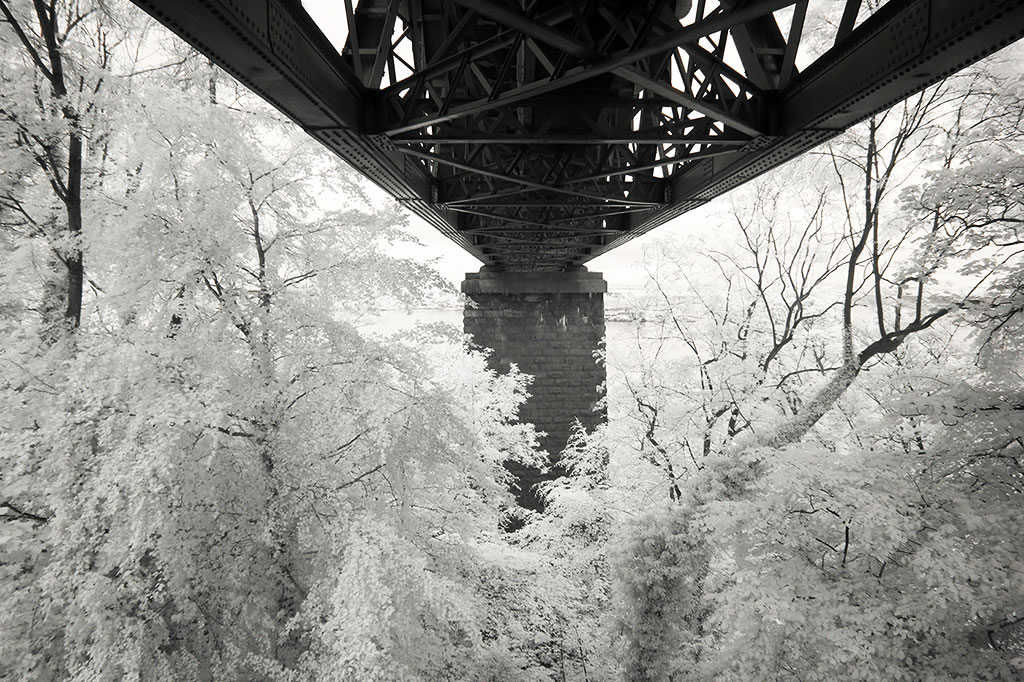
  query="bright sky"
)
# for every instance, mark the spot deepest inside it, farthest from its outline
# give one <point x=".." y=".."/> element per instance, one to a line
<point x="621" y="266"/>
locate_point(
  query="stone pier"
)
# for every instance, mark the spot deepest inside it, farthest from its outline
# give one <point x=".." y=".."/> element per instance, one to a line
<point x="549" y="324"/>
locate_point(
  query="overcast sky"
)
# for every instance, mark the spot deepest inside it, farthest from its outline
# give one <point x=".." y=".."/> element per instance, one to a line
<point x="621" y="266"/>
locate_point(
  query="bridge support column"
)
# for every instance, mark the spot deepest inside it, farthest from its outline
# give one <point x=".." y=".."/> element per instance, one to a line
<point x="549" y="324"/>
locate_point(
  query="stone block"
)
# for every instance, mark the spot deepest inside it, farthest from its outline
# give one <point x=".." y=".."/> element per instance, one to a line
<point x="549" y="324"/>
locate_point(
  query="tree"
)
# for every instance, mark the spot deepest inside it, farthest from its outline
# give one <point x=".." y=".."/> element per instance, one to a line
<point x="717" y="358"/>
<point x="57" y="65"/>
<point x="843" y="540"/>
<point x="223" y="479"/>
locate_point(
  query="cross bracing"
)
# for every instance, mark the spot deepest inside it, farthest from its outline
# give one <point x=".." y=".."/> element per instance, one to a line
<point x="538" y="135"/>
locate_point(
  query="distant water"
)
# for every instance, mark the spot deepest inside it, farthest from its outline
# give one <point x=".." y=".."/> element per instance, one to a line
<point x="399" y="320"/>
<point x="393" y="321"/>
<point x="621" y="340"/>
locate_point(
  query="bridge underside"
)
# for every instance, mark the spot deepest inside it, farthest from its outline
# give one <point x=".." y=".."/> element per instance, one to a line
<point x="539" y="135"/>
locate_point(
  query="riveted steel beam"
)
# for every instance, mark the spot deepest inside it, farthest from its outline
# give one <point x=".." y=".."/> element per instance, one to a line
<point x="898" y="51"/>
<point x="601" y="120"/>
<point x="275" y="49"/>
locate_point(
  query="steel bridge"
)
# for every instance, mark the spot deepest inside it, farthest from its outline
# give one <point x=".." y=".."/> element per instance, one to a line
<point x="539" y="135"/>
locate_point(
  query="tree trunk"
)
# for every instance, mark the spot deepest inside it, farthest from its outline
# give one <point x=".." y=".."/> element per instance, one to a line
<point x="73" y="259"/>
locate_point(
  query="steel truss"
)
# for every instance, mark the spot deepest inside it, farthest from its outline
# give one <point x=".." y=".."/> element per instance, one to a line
<point x="539" y="135"/>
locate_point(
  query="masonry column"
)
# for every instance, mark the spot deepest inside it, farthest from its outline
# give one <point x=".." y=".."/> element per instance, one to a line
<point x="549" y="324"/>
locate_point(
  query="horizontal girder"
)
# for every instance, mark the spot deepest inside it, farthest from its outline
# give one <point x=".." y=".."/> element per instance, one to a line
<point x="540" y="135"/>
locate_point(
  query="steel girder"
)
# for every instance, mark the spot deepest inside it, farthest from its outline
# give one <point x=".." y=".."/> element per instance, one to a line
<point x="539" y="135"/>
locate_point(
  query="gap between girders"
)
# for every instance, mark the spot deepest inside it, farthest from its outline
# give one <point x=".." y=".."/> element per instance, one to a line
<point x="526" y="183"/>
<point x="668" y="42"/>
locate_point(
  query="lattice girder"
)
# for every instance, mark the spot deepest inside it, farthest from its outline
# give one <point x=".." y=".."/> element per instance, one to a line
<point x="539" y="135"/>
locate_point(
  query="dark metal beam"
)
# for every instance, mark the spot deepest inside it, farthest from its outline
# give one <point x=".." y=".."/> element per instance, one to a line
<point x="693" y="32"/>
<point x="689" y="101"/>
<point x="595" y="139"/>
<point x="528" y="26"/>
<point x="513" y="96"/>
<point x="850" y="12"/>
<point x="486" y="203"/>
<point x="522" y="182"/>
<point x="444" y="63"/>
<point x="900" y="50"/>
<point x="275" y="49"/>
